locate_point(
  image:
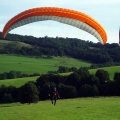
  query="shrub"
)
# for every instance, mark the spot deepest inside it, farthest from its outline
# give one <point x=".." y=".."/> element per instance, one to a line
<point x="29" y="93"/>
<point x="67" y="91"/>
<point x="87" y="90"/>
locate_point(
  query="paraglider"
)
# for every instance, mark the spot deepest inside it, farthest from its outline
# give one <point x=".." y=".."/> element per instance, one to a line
<point x="67" y="16"/>
<point x="53" y="95"/>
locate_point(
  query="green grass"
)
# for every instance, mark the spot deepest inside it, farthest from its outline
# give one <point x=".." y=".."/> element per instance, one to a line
<point x="18" y="82"/>
<point x="71" y="109"/>
<point x="32" y="65"/>
<point x="110" y="70"/>
<point x="21" y="81"/>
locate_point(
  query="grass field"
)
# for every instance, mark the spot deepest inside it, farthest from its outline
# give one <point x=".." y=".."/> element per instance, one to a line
<point x="70" y="109"/>
<point x="32" y="65"/>
<point x="41" y="65"/>
<point x="18" y="82"/>
<point x="21" y="81"/>
<point x="111" y="70"/>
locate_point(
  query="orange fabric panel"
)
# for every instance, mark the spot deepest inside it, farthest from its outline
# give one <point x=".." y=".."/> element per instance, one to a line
<point x="61" y="12"/>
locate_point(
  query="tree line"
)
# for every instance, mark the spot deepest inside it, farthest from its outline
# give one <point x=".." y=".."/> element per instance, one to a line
<point x="15" y="74"/>
<point x="72" y="47"/>
<point x="78" y="84"/>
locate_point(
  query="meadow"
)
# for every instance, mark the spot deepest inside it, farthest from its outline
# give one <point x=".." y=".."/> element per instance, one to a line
<point x="41" y="65"/>
<point x="103" y="108"/>
<point x="30" y="65"/>
<point x="17" y="82"/>
<point x="111" y="70"/>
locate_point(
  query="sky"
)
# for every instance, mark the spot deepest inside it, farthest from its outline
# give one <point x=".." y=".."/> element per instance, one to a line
<point x="105" y="12"/>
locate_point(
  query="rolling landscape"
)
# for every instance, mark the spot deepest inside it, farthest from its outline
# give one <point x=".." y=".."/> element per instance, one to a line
<point x="59" y="60"/>
<point x="42" y="65"/>
<point x="90" y="107"/>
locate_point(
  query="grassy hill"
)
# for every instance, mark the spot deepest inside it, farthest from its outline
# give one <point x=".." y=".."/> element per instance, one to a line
<point x="21" y="81"/>
<point x="18" y="82"/>
<point x="32" y="65"/>
<point x="40" y="65"/>
<point x="17" y="44"/>
<point x="103" y="108"/>
<point x="111" y="70"/>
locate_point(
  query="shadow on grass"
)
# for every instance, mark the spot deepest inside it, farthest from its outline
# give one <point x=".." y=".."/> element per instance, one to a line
<point x="78" y="107"/>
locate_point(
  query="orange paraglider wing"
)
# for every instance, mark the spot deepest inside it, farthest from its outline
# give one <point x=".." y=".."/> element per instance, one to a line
<point x="71" y="17"/>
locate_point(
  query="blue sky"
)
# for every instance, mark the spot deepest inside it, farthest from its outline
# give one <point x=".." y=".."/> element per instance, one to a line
<point x="106" y="12"/>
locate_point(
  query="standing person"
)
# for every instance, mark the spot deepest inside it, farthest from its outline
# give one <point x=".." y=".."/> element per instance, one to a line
<point x="54" y="95"/>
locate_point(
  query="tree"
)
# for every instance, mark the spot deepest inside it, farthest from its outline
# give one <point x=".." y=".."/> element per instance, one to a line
<point x="83" y="72"/>
<point x="73" y="80"/>
<point x="93" y="79"/>
<point x="3" y="76"/>
<point x="42" y="80"/>
<point x="67" y="91"/>
<point x="11" y="75"/>
<point x="45" y="90"/>
<point x="3" y="91"/>
<point x="103" y="76"/>
<point x="7" y="98"/>
<point x="62" y="69"/>
<point x="87" y="90"/>
<point x="29" y="93"/>
<point x="117" y="83"/>
<point x="117" y="77"/>
<point x="8" y="94"/>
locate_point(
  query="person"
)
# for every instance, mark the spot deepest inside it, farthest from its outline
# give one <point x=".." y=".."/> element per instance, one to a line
<point x="54" y="95"/>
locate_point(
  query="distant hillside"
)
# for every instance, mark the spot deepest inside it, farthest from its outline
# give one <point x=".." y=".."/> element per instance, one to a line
<point x="72" y="47"/>
<point x="31" y="65"/>
<point x="18" y="82"/>
<point x="17" y="44"/>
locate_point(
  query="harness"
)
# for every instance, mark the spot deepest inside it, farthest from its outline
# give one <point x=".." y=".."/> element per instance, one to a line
<point x="54" y="94"/>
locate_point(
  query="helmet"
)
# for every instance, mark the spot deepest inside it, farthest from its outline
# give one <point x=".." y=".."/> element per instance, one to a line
<point x="54" y="88"/>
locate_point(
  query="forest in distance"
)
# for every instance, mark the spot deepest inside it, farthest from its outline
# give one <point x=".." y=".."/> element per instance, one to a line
<point x="95" y="53"/>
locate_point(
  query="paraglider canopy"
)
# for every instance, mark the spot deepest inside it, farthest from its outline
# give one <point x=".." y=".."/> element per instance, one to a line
<point x="71" y="17"/>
